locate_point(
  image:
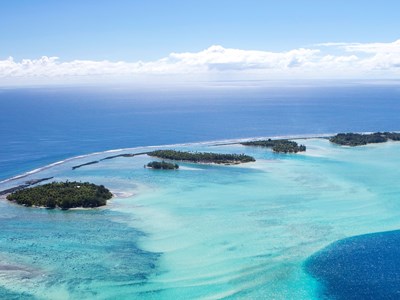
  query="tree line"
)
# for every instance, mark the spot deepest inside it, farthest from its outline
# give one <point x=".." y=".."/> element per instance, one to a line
<point x="279" y="146"/>
<point x="64" y="195"/>
<point x="202" y="157"/>
<point x="158" y="165"/>
<point x="359" y="139"/>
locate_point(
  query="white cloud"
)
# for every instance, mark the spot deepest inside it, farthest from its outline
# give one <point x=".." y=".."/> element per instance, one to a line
<point x="328" y="60"/>
<point x="373" y="48"/>
<point x="222" y="59"/>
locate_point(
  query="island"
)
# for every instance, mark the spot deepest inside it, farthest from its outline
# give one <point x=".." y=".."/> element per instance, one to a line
<point x="359" y="139"/>
<point x="278" y="146"/>
<point x="63" y="195"/>
<point x="202" y="157"/>
<point x="163" y="165"/>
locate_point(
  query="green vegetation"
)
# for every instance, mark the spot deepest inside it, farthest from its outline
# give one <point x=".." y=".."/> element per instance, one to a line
<point x="162" y="165"/>
<point x="394" y="136"/>
<point x="64" y="195"/>
<point x="279" y="146"/>
<point x="202" y="157"/>
<point x="357" y="139"/>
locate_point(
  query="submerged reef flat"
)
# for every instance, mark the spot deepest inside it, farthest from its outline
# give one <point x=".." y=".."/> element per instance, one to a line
<point x="278" y="146"/>
<point x="202" y="157"/>
<point x="63" y="195"/>
<point x="245" y="231"/>
<point x="358" y="139"/>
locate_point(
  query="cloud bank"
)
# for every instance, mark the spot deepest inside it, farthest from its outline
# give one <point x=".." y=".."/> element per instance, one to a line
<point x="326" y="61"/>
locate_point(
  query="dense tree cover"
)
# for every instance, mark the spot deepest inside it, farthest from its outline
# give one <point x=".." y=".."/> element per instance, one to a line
<point x="394" y="136"/>
<point x="202" y="157"/>
<point x="281" y="146"/>
<point x="358" y="139"/>
<point x="63" y="195"/>
<point x="162" y="165"/>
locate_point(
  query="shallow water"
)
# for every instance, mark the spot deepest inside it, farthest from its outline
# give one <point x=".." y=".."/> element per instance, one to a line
<point x="203" y="231"/>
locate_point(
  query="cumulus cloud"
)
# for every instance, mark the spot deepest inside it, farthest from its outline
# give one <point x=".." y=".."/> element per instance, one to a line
<point x="375" y="56"/>
<point x="328" y="60"/>
<point x="222" y="59"/>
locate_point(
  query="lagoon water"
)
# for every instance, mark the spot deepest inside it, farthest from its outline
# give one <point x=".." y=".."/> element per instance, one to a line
<point x="203" y="231"/>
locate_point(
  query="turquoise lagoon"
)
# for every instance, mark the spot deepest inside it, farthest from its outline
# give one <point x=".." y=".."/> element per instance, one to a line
<point x="200" y="232"/>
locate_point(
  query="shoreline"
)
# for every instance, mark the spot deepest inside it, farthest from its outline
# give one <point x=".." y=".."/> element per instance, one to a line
<point x="3" y="197"/>
<point x="139" y="149"/>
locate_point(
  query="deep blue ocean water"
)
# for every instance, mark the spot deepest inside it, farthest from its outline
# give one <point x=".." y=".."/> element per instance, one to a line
<point x="360" y="267"/>
<point x="42" y="126"/>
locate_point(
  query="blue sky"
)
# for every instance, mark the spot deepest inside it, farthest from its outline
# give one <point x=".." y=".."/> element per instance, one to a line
<point x="149" y="31"/>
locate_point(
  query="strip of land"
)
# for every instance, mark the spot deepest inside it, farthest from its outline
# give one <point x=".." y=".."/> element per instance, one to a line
<point x="23" y="186"/>
<point x="196" y="157"/>
<point x="108" y="157"/>
<point x="123" y="155"/>
<point x="85" y="164"/>
<point x="278" y="146"/>
<point x="358" y="139"/>
<point x="202" y="157"/>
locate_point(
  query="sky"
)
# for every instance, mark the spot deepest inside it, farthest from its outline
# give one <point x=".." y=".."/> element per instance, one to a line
<point x="47" y="41"/>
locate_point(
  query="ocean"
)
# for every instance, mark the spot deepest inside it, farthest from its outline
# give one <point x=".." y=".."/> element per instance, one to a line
<point x="272" y="229"/>
<point x="39" y="126"/>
